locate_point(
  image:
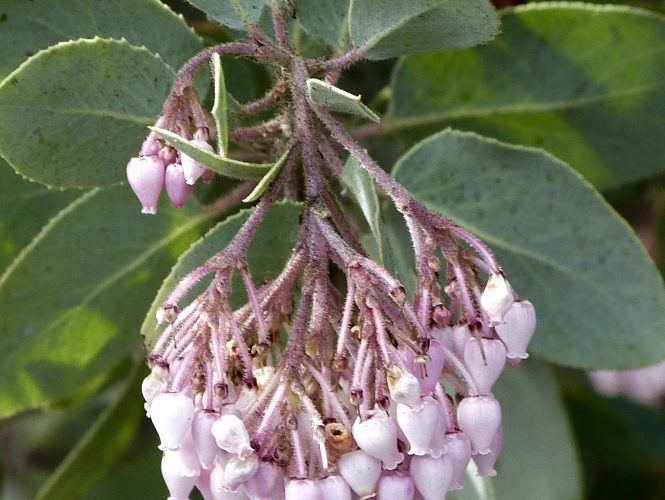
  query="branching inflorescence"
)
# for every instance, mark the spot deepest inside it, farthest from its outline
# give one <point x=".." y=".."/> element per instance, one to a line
<point x="374" y="393"/>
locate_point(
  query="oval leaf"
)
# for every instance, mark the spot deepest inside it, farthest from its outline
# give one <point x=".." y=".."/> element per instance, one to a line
<point x="325" y="20"/>
<point x="226" y="166"/>
<point x="73" y="115"/>
<point x="389" y="28"/>
<point x="232" y="13"/>
<point x="336" y="99"/>
<point x="73" y="299"/>
<point x="24" y="208"/>
<point x="600" y="109"/>
<point x="28" y="28"/>
<point x="600" y="300"/>
<point x="270" y="248"/>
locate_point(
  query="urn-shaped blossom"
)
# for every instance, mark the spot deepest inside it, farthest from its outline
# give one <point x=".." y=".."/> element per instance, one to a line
<point x="485" y="360"/>
<point x="403" y="386"/>
<point x="361" y="471"/>
<point x="204" y="441"/>
<point x="176" y="188"/>
<point x="458" y="448"/>
<point x="335" y="488"/>
<point x="517" y="329"/>
<point x="497" y="297"/>
<point x="266" y="484"/>
<point x="419" y="424"/>
<point x="231" y="435"/>
<point x="177" y="475"/>
<point x="431" y="476"/>
<point x="238" y="470"/>
<point x="300" y="489"/>
<point x="146" y="178"/>
<point x="395" y="484"/>
<point x="480" y="418"/>
<point x="485" y="463"/>
<point x="171" y="414"/>
<point x="377" y="436"/>
<point x="192" y="169"/>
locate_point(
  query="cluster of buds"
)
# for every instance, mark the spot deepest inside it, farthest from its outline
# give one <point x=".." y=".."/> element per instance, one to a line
<point x="645" y="385"/>
<point x="161" y="166"/>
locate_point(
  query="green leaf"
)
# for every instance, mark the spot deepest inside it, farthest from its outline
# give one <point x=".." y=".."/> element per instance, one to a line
<point x="101" y="446"/>
<point x="220" y="106"/>
<point x="232" y="13"/>
<point x="226" y="166"/>
<point x="599" y="298"/>
<point x="24" y="208"/>
<point x="73" y="115"/>
<point x="362" y="187"/>
<point x="264" y="183"/>
<point x="325" y="20"/>
<point x="584" y="82"/>
<point x="336" y="99"/>
<point x="389" y="28"/>
<point x="539" y="453"/>
<point x="26" y="27"/>
<point x="270" y="248"/>
<point x="73" y="299"/>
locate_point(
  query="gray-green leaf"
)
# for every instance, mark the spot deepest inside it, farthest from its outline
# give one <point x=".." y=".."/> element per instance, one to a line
<point x="232" y="13"/>
<point x="599" y="298"/>
<point x="226" y="166"/>
<point x="585" y="82"/>
<point x="73" y="299"/>
<point x="24" y="208"/>
<point x="325" y="20"/>
<point x="336" y="99"/>
<point x="220" y="106"/>
<point x="270" y="248"/>
<point x="389" y="28"/>
<point x="28" y="27"/>
<point x="73" y="115"/>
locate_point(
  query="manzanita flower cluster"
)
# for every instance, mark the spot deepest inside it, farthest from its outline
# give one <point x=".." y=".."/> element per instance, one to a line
<point x="374" y="392"/>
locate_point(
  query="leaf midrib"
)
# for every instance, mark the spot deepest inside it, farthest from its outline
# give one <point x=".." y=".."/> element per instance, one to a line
<point x="396" y="123"/>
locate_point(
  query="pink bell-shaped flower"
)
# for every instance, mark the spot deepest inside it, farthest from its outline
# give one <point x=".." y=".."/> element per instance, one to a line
<point x="497" y="298"/>
<point x="266" y="484"/>
<point x="239" y="470"/>
<point x="419" y="424"/>
<point x="431" y="476"/>
<point x="217" y="488"/>
<point x="485" y="463"/>
<point x="458" y="449"/>
<point x="427" y="368"/>
<point x="154" y="384"/>
<point x="517" y="329"/>
<point x="191" y="168"/>
<point x="204" y="441"/>
<point x="301" y="489"/>
<point x="403" y="386"/>
<point x="171" y="414"/>
<point x="335" y="488"/>
<point x="361" y="471"/>
<point x="485" y="371"/>
<point x="377" y="436"/>
<point x="395" y="484"/>
<point x="176" y="188"/>
<point x="177" y="475"/>
<point x="203" y="485"/>
<point x="453" y="338"/>
<point x="231" y="435"/>
<point x="146" y="178"/>
<point x="480" y="418"/>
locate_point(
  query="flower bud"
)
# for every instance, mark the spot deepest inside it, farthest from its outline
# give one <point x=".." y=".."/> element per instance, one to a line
<point x="361" y="471"/>
<point x="377" y="436"/>
<point x="419" y="424"/>
<point x="485" y="371"/>
<point x="403" y="386"/>
<point x="231" y="435"/>
<point x="395" y="484"/>
<point x="204" y="441"/>
<point x="239" y="470"/>
<point x="191" y="168"/>
<point x="146" y="178"/>
<point x="335" y="488"/>
<point x="485" y="463"/>
<point x="154" y="384"/>
<point x="497" y="298"/>
<point x="431" y="476"/>
<point x="517" y="329"/>
<point x="171" y="414"/>
<point x="480" y="418"/>
<point x="176" y="188"/>
<point x="458" y="448"/>
<point x="266" y="484"/>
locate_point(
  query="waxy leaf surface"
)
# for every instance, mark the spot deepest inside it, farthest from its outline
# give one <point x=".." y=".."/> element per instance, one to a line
<point x="232" y="13"/>
<point x="325" y="20"/>
<point x="389" y="28"/>
<point x="28" y="27"/>
<point x="73" y="115"/>
<point x="599" y="298"/>
<point x="73" y="300"/>
<point x="584" y="82"/>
